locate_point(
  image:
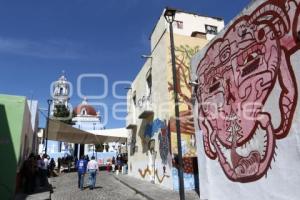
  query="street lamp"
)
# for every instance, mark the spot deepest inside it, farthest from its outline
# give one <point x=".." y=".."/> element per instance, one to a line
<point x="49" y="101"/>
<point x="146" y="56"/>
<point x="169" y="16"/>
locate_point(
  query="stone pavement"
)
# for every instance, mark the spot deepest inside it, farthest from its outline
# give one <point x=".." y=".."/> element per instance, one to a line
<point x="107" y="188"/>
<point x="152" y="191"/>
<point x="40" y="193"/>
<point x="43" y="195"/>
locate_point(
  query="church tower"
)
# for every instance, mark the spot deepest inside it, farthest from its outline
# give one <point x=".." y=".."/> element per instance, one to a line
<point x="60" y="109"/>
<point x="61" y="96"/>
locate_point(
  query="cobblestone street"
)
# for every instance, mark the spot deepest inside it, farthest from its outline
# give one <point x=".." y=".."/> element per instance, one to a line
<point x="107" y="187"/>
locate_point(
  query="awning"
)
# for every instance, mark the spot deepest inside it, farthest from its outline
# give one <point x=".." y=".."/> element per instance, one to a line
<point x="60" y="131"/>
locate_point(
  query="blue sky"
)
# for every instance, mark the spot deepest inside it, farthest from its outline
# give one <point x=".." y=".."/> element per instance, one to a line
<point x="40" y="39"/>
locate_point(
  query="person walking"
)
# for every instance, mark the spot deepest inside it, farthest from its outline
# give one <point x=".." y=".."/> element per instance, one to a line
<point x="81" y="170"/>
<point x="59" y="164"/>
<point x="51" y="167"/>
<point x="28" y="171"/>
<point x="43" y="166"/>
<point x="40" y="163"/>
<point x="92" y="168"/>
<point x="113" y="164"/>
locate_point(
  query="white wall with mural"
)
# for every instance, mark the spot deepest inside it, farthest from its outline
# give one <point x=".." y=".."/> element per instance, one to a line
<point x="247" y="109"/>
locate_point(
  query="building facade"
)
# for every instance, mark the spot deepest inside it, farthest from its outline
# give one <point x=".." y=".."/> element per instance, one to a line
<point x="19" y="119"/>
<point x="152" y="146"/>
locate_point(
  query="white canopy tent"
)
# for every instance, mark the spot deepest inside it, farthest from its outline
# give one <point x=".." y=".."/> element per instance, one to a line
<point x="60" y="131"/>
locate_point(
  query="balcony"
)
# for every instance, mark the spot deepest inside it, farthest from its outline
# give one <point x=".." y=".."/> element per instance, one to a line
<point x="131" y="120"/>
<point x="145" y="107"/>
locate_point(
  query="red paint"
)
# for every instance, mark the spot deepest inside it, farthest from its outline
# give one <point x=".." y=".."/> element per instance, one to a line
<point x="236" y="77"/>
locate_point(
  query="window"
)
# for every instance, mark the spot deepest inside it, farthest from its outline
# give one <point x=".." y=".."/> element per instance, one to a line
<point x="134" y="98"/>
<point x="179" y="24"/>
<point x="149" y="81"/>
<point x="83" y="111"/>
<point x="211" y="29"/>
<point x="198" y="34"/>
<point x="61" y="90"/>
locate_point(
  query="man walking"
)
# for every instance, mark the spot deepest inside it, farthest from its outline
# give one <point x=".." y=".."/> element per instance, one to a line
<point x="81" y="170"/>
<point x="113" y="164"/>
<point x="92" y="168"/>
<point x="44" y="169"/>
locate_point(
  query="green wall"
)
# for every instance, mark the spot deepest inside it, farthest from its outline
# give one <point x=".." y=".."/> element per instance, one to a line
<point x="12" y="110"/>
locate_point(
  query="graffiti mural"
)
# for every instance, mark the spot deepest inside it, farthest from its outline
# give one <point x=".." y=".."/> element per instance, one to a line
<point x="183" y="55"/>
<point x="188" y="173"/>
<point x="161" y="179"/>
<point x="164" y="145"/>
<point x="154" y="127"/>
<point x="236" y="76"/>
<point x="144" y="172"/>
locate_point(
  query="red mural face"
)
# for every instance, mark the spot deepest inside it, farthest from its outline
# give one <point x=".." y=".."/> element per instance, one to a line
<point x="236" y="76"/>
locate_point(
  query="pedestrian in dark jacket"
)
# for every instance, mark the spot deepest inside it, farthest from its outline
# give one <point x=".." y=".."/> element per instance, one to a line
<point x="81" y="170"/>
<point x="52" y="166"/>
<point x="29" y="174"/>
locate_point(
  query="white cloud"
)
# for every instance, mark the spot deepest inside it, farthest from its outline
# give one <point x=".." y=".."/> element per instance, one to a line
<point x="44" y="49"/>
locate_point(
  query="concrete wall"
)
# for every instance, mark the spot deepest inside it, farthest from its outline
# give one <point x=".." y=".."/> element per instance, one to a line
<point x="140" y="158"/>
<point x="34" y="113"/>
<point x="185" y="24"/>
<point x="247" y="109"/>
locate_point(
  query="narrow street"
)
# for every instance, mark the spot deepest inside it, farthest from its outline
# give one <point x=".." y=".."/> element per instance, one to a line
<point x="107" y="187"/>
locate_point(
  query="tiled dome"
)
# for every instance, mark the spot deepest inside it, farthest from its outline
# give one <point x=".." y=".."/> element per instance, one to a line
<point x="84" y="109"/>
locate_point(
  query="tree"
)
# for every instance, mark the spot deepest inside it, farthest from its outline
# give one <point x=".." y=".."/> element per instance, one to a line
<point x="183" y="55"/>
<point x="62" y="113"/>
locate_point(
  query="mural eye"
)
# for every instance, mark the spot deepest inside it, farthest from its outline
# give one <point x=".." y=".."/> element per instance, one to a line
<point x="214" y="87"/>
<point x="225" y="55"/>
<point x="261" y="35"/>
<point x="250" y="58"/>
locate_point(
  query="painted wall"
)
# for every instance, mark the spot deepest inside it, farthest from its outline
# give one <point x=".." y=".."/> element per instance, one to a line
<point x="247" y="109"/>
<point x="185" y="48"/>
<point x="143" y="147"/>
<point x="13" y="131"/>
<point x="152" y="144"/>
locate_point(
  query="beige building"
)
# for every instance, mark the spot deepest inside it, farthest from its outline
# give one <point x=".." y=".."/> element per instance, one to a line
<point x="152" y="146"/>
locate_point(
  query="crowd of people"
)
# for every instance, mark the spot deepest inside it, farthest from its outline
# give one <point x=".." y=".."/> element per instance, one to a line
<point x="35" y="170"/>
<point x="117" y="164"/>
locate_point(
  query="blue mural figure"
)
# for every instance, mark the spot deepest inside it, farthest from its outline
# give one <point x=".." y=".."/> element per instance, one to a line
<point x="153" y="128"/>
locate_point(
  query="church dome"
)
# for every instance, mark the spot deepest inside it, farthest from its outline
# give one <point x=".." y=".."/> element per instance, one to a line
<point x="85" y="109"/>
